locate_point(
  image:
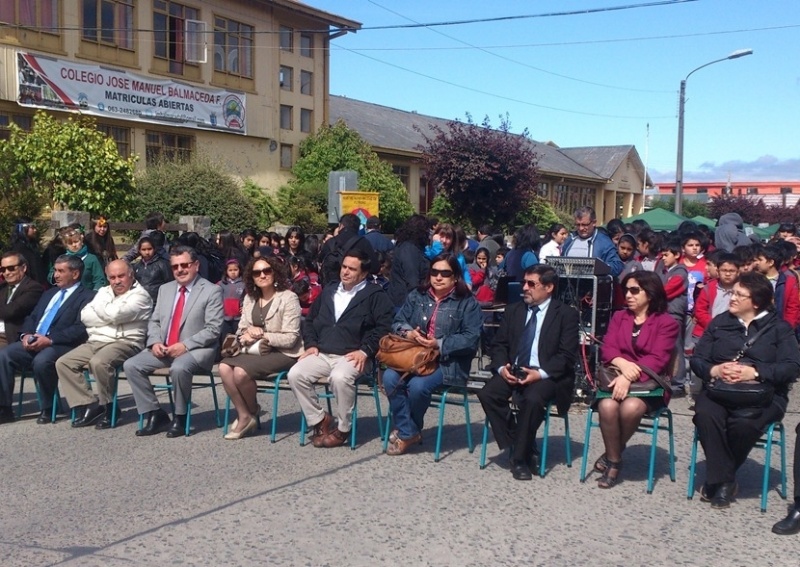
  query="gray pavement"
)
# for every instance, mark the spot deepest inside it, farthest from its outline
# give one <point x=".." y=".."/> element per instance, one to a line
<point x="107" y="498"/>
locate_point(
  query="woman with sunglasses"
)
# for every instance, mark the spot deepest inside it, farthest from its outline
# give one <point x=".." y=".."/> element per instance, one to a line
<point x="643" y="334"/>
<point x="441" y="314"/>
<point x="726" y="434"/>
<point x="269" y="335"/>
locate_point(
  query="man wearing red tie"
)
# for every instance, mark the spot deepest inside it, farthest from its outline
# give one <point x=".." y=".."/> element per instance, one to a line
<point x="182" y="335"/>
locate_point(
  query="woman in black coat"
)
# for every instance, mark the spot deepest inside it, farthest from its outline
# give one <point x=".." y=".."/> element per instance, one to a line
<point x="409" y="265"/>
<point x="727" y="435"/>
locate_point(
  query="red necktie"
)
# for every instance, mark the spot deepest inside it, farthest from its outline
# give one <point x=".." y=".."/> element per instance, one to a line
<point x="177" y="315"/>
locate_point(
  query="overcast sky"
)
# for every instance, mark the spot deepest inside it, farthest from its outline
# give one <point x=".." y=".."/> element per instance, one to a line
<point x="594" y="79"/>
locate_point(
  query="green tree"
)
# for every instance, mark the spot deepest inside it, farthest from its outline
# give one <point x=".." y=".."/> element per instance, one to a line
<point x="267" y="211"/>
<point x="71" y="164"/>
<point x="337" y="148"/>
<point x="689" y="207"/>
<point x="542" y="213"/>
<point x="194" y="187"/>
<point x="304" y="205"/>
<point x="488" y="175"/>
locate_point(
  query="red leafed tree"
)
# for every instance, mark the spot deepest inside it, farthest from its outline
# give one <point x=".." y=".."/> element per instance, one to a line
<point x="488" y="175"/>
<point x="752" y="211"/>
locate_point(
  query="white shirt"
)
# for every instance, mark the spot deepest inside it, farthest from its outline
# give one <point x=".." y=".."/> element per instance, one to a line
<point x="342" y="298"/>
<point x="534" y="361"/>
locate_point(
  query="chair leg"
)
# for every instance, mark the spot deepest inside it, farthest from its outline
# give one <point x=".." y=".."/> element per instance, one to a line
<point x="303" y="427"/>
<point x="376" y="394"/>
<point x="114" y="402"/>
<point x="767" y="468"/>
<point x="783" y="492"/>
<point x="586" y="439"/>
<point x="442" y="403"/>
<point x="19" y="399"/>
<point x="671" y="446"/>
<point x="692" y="466"/>
<point x="275" y="393"/>
<point x="484" y="442"/>
<point x="188" y="429"/>
<point x="545" y="438"/>
<point x="470" y="444"/>
<point x="387" y="429"/>
<point x="354" y="422"/>
<point x="227" y="416"/>
<point x="213" y="386"/>
<point x="567" y="441"/>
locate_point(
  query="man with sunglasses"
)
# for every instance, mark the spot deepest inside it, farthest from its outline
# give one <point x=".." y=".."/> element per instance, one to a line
<point x="19" y="294"/>
<point x="183" y="335"/>
<point x="533" y="357"/>
<point x="340" y="336"/>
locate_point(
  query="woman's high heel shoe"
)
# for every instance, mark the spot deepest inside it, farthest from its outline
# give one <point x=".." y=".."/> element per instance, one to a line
<point x="611" y="475"/>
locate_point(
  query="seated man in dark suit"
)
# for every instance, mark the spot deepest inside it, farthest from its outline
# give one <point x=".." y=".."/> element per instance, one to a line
<point x="19" y="294"/>
<point x="533" y="356"/>
<point x="53" y="328"/>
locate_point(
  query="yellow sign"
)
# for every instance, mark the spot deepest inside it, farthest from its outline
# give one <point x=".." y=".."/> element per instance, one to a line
<point x="361" y="203"/>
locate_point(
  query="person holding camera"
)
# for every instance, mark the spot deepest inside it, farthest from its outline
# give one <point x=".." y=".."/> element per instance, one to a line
<point x="533" y="357"/>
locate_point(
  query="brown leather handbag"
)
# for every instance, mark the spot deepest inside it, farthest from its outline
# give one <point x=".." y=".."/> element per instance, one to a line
<point x="407" y="356"/>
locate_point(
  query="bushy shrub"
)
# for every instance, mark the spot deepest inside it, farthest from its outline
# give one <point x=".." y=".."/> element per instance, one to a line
<point x="304" y="205"/>
<point x="195" y="187"/>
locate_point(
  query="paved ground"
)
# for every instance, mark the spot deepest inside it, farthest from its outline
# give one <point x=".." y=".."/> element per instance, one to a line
<point x="107" y="498"/>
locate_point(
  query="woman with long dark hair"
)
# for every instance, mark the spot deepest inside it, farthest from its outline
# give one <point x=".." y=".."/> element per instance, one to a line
<point x="441" y="314"/>
<point x="524" y="254"/>
<point x="409" y="265"/>
<point x="100" y="241"/>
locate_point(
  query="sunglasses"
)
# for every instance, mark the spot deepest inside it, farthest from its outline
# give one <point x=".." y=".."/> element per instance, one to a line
<point x="264" y="272"/>
<point x="9" y="268"/>
<point x="633" y="290"/>
<point x="443" y="273"/>
<point x="181" y="266"/>
<point x="532" y="283"/>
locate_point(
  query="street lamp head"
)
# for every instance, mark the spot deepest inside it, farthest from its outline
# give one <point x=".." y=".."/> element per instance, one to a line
<point x="740" y="53"/>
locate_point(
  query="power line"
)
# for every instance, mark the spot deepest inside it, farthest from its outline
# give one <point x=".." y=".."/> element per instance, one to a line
<point x="516" y="62"/>
<point x="527" y="16"/>
<point x="502" y="97"/>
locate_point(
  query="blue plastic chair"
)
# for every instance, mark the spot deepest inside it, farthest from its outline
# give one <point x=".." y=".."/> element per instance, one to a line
<point x="443" y="396"/>
<point x="651" y="424"/>
<point x="167" y="385"/>
<point x="766" y="442"/>
<point x="56" y="404"/>
<point x="273" y="387"/>
<point x="545" y="438"/>
<point x="370" y="381"/>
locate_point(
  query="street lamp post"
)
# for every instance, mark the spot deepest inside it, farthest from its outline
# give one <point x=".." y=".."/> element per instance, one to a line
<point x="682" y="103"/>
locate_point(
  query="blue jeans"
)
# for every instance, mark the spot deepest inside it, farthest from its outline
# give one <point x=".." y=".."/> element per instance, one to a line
<point x="410" y="399"/>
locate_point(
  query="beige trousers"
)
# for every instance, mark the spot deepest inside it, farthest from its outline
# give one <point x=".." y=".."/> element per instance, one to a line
<point x="102" y="359"/>
<point x="332" y="369"/>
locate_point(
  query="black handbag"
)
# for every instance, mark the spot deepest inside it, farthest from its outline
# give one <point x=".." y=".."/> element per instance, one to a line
<point x="740" y="395"/>
<point x="608" y="372"/>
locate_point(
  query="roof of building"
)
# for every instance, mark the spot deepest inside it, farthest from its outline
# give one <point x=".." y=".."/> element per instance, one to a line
<point x="306" y="10"/>
<point x="603" y="160"/>
<point x="389" y="129"/>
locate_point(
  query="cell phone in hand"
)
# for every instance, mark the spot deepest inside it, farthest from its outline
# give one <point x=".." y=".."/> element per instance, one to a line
<point x="31" y="339"/>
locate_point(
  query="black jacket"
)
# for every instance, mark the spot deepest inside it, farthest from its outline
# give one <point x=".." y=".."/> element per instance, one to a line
<point x="345" y="239"/>
<point x="367" y="318"/>
<point x="23" y="301"/>
<point x="409" y="270"/>
<point x="67" y="329"/>
<point x="153" y="274"/>
<point x="774" y="354"/>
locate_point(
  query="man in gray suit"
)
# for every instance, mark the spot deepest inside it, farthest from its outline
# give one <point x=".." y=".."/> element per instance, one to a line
<point x="183" y="335"/>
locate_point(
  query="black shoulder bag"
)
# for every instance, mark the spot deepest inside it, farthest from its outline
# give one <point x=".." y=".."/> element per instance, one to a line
<point x="742" y="395"/>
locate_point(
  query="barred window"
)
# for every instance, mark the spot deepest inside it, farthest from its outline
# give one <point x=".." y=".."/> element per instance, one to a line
<point x="120" y="135"/>
<point x="233" y="47"/>
<point x="109" y="22"/>
<point x="168" y="146"/>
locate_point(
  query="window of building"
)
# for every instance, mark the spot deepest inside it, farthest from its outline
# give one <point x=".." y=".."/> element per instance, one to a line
<point x="25" y="122"/>
<point x="306" y="120"/>
<point x="306" y="82"/>
<point x="109" y="22"/>
<point x="41" y="16"/>
<point x="786" y="190"/>
<point x="752" y="190"/>
<point x="233" y="47"/>
<point x="286" y="156"/>
<point x="286" y="117"/>
<point x="169" y="24"/>
<point x="306" y="45"/>
<point x="702" y="190"/>
<point x="161" y="146"/>
<point x="286" y="38"/>
<point x="403" y="172"/>
<point x="286" y="78"/>
<point x="543" y="189"/>
<point x="121" y="136"/>
<point x="725" y="190"/>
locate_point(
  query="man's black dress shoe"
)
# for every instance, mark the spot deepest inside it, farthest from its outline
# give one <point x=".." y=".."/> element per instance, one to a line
<point x="7" y="414"/>
<point x="45" y="417"/>
<point x="790" y="525"/>
<point x="178" y="427"/>
<point x="105" y="421"/>
<point x="723" y="496"/>
<point x="156" y="422"/>
<point x="521" y="471"/>
<point x="87" y="415"/>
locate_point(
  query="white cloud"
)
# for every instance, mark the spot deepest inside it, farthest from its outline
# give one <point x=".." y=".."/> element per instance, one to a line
<point x="765" y="168"/>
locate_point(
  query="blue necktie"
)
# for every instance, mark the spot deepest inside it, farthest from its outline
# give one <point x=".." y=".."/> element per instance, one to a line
<point x="44" y="326"/>
<point x="526" y="342"/>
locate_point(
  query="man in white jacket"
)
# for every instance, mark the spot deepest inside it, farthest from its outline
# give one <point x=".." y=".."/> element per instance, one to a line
<point x="116" y="322"/>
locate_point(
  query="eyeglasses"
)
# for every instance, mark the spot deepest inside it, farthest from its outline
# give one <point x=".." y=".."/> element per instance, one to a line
<point x="443" y="273"/>
<point x="264" y="272"/>
<point x="532" y="283"/>
<point x="181" y="266"/>
<point x="728" y="271"/>
<point x="9" y="268"/>
<point x="633" y="290"/>
<point x="740" y="295"/>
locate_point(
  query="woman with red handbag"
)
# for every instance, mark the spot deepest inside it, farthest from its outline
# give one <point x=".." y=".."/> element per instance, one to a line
<point x="441" y="314"/>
